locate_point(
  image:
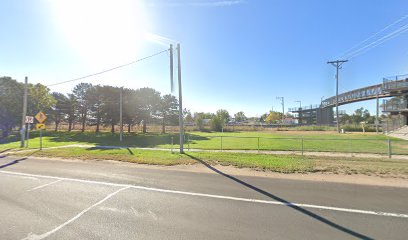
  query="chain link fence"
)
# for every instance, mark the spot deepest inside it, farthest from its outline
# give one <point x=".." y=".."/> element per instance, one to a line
<point x="387" y="147"/>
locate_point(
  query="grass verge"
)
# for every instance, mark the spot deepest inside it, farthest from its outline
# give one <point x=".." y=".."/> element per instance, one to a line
<point x="264" y="162"/>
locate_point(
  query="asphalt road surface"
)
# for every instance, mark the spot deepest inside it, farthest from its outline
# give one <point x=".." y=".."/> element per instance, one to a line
<point x="54" y="199"/>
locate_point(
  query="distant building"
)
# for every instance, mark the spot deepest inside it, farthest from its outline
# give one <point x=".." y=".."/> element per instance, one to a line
<point x="290" y="121"/>
<point x="206" y="121"/>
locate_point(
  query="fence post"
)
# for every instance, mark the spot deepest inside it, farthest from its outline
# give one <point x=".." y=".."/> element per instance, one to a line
<point x="171" y="144"/>
<point x="221" y="143"/>
<point x="389" y="148"/>
<point x="258" y="144"/>
<point x="302" y="146"/>
<point x="188" y="141"/>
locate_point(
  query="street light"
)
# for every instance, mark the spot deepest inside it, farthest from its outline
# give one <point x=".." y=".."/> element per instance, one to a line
<point x="300" y="111"/>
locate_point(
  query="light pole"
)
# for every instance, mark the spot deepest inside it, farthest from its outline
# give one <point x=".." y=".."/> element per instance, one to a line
<point x="321" y="101"/>
<point x="283" y="107"/>
<point x="300" y="111"/>
<point x="337" y="64"/>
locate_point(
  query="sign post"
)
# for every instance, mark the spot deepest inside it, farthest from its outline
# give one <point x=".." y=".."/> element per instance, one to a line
<point x="40" y="118"/>
<point x="40" y="138"/>
<point x="28" y="134"/>
<point x="28" y="120"/>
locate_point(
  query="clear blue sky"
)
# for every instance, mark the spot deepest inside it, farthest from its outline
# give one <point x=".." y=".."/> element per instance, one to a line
<point x="236" y="55"/>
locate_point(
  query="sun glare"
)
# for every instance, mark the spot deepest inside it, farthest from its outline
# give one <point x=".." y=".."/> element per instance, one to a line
<point x="101" y="32"/>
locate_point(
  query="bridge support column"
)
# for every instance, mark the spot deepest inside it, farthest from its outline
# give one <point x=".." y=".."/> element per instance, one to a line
<point x="324" y="116"/>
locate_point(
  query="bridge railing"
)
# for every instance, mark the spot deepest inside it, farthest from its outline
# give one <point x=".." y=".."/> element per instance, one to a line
<point x="394" y="105"/>
<point x="398" y="83"/>
<point x="304" y="108"/>
<point x="361" y="93"/>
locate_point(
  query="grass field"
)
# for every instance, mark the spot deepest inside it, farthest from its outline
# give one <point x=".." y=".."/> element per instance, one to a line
<point x="276" y="163"/>
<point x="276" y="140"/>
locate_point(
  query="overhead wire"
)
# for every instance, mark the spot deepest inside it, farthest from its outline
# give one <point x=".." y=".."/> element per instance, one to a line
<point x="372" y="36"/>
<point x="378" y="42"/>
<point x="108" y="70"/>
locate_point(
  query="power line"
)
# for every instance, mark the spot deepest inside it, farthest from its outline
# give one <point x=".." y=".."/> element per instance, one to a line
<point x="378" y="42"/>
<point x="372" y="36"/>
<point x="110" y="69"/>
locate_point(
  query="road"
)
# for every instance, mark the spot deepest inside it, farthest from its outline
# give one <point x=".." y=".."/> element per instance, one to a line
<point x="55" y="199"/>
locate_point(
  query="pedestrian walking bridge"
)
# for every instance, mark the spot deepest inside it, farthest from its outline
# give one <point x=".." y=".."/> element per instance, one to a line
<point x="395" y="86"/>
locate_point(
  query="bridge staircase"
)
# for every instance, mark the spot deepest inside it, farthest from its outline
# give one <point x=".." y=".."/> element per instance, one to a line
<point x="400" y="133"/>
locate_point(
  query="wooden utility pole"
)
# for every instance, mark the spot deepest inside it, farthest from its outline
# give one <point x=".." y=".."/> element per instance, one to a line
<point x="180" y="101"/>
<point x="23" y="124"/>
<point x="171" y="68"/>
<point x="121" y="114"/>
<point x="337" y="64"/>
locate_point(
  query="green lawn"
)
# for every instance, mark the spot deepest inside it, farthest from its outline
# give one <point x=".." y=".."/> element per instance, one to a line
<point x="275" y="163"/>
<point x="277" y="140"/>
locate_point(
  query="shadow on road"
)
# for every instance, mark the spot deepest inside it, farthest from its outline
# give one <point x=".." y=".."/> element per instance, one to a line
<point x="289" y="204"/>
<point x="5" y="150"/>
<point x="17" y="160"/>
<point x="13" y="162"/>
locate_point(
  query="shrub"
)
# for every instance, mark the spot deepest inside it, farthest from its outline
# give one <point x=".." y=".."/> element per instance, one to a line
<point x="216" y="124"/>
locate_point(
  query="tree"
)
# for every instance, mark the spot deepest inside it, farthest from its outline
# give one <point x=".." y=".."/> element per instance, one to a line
<point x="216" y="124"/>
<point x="39" y="99"/>
<point x="345" y="119"/>
<point x="360" y="115"/>
<point x="110" y="107"/>
<point x="69" y="110"/>
<point x="273" y="117"/>
<point x="129" y="108"/>
<point x="223" y="116"/>
<point x="95" y="100"/>
<point x="148" y="101"/>
<point x="58" y="110"/>
<point x="199" y="119"/>
<point x="168" y="111"/>
<point x="81" y="93"/>
<point x="11" y="104"/>
<point x="187" y="115"/>
<point x="240" y="116"/>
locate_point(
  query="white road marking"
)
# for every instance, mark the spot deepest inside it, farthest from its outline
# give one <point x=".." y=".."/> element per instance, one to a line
<point x="348" y="210"/>
<point x="44" y="235"/>
<point x="44" y="185"/>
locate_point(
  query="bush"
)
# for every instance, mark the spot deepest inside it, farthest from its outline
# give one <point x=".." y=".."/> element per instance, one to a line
<point x="358" y="128"/>
<point x="315" y="128"/>
<point x="216" y="124"/>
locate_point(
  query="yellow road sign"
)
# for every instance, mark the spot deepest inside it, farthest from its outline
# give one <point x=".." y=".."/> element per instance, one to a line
<point x="40" y="117"/>
<point x="40" y="126"/>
